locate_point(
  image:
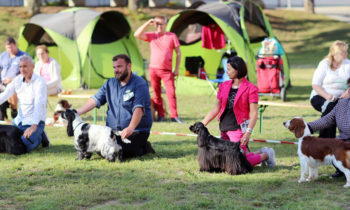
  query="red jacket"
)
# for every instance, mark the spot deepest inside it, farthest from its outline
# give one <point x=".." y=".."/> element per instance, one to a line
<point x="247" y="93"/>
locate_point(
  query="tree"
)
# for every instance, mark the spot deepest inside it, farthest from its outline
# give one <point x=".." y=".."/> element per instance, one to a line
<point x="309" y="6"/>
<point x="132" y="5"/>
<point x="32" y="6"/>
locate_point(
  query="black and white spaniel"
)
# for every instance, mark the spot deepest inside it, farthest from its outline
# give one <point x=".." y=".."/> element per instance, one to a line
<point x="90" y="138"/>
<point x="314" y="151"/>
<point x="10" y="140"/>
<point x="218" y="155"/>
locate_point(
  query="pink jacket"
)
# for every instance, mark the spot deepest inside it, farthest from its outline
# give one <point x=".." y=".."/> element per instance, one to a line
<point x="247" y="93"/>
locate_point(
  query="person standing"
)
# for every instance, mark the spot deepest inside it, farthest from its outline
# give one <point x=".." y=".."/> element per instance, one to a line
<point x="9" y="67"/>
<point x="31" y="91"/>
<point x="162" y="44"/>
<point x="129" y="107"/>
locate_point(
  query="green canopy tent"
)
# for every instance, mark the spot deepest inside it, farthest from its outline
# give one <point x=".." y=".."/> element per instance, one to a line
<point x="243" y="24"/>
<point x="83" y="41"/>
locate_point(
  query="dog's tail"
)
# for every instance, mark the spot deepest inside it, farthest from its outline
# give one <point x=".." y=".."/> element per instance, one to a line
<point x="117" y="133"/>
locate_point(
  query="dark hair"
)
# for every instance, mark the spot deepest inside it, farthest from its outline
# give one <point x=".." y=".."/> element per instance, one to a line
<point x="10" y="40"/>
<point x="122" y="56"/>
<point x="238" y="64"/>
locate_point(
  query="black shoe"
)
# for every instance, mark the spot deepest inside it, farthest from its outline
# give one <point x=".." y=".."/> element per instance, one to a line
<point x="45" y="142"/>
<point x="337" y="174"/>
<point x="148" y="148"/>
<point x="160" y="119"/>
<point x="177" y="119"/>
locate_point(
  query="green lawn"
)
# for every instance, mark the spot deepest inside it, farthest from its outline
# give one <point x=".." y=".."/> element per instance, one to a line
<point x="52" y="178"/>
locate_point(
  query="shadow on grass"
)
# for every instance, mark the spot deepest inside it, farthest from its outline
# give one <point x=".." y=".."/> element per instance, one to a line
<point x="175" y="149"/>
<point x="64" y="149"/>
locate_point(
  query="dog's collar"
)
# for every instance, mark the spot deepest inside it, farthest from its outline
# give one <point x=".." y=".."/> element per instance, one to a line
<point x="77" y="126"/>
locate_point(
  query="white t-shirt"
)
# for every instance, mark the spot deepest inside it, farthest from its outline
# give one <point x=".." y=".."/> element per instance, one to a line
<point x="332" y="81"/>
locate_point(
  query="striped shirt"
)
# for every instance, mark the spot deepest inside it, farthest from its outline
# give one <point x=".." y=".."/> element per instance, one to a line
<point x="339" y="116"/>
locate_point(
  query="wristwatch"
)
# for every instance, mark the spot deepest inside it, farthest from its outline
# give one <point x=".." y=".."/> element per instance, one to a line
<point x="249" y="130"/>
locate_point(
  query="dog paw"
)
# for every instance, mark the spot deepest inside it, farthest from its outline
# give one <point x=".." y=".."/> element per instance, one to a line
<point x="347" y="185"/>
<point x="126" y="141"/>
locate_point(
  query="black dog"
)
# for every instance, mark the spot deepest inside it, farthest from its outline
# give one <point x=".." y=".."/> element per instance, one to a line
<point x="10" y="140"/>
<point x="219" y="155"/>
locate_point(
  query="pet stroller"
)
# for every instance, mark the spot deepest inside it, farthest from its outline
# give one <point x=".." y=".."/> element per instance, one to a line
<point x="269" y="67"/>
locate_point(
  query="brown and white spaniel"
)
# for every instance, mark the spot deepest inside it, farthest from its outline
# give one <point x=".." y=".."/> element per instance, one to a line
<point x="61" y="106"/>
<point x="314" y="151"/>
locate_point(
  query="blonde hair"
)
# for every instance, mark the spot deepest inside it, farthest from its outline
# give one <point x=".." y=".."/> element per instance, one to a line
<point x="335" y="48"/>
<point x="43" y="47"/>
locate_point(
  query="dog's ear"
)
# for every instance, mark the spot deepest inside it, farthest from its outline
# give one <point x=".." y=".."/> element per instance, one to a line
<point x="297" y="126"/>
<point x="69" y="116"/>
<point x="70" y="131"/>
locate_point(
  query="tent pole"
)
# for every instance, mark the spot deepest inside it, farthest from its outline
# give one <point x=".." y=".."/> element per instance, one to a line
<point x="89" y="70"/>
<point x="211" y="85"/>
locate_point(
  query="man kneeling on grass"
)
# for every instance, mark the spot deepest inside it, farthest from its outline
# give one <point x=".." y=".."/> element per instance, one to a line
<point x="129" y="107"/>
<point x="31" y="93"/>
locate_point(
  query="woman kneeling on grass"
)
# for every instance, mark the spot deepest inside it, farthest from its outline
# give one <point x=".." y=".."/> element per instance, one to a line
<point x="237" y="106"/>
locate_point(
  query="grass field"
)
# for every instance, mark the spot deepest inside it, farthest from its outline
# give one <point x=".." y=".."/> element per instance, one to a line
<point x="52" y="178"/>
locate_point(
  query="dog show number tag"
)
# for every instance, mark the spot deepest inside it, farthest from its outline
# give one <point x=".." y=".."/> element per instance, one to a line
<point x="127" y="96"/>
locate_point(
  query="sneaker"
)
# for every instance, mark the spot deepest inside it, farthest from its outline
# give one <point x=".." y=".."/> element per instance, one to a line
<point x="177" y="119"/>
<point x="160" y="119"/>
<point x="45" y="142"/>
<point x="271" y="161"/>
<point x="264" y="150"/>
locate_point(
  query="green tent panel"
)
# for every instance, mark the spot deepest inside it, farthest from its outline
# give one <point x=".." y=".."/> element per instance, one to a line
<point x="83" y="42"/>
<point x="243" y="24"/>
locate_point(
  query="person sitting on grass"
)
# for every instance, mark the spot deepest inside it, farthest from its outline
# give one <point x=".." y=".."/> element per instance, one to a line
<point x="129" y="109"/>
<point x="237" y="107"/>
<point x="31" y="92"/>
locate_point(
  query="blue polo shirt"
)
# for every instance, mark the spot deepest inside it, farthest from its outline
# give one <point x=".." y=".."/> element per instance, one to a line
<point x="9" y="67"/>
<point x="123" y="100"/>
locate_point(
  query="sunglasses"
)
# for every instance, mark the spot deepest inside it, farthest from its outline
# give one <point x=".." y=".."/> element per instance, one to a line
<point x="159" y="24"/>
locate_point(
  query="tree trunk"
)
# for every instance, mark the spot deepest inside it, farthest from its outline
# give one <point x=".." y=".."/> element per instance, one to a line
<point x="33" y="7"/>
<point x="309" y="6"/>
<point x="132" y="5"/>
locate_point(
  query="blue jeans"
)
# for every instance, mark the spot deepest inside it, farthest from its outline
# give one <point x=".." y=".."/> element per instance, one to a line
<point x="35" y="139"/>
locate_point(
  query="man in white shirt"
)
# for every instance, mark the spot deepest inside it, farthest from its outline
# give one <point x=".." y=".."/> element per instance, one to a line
<point x="31" y="92"/>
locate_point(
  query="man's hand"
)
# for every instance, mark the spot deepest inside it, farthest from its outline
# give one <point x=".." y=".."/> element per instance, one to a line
<point x="126" y="132"/>
<point x="6" y="80"/>
<point x="151" y="21"/>
<point x="29" y="131"/>
<point x="176" y="73"/>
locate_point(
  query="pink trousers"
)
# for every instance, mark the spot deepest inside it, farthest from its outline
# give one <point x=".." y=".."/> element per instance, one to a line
<point x="156" y="76"/>
<point x="235" y="136"/>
